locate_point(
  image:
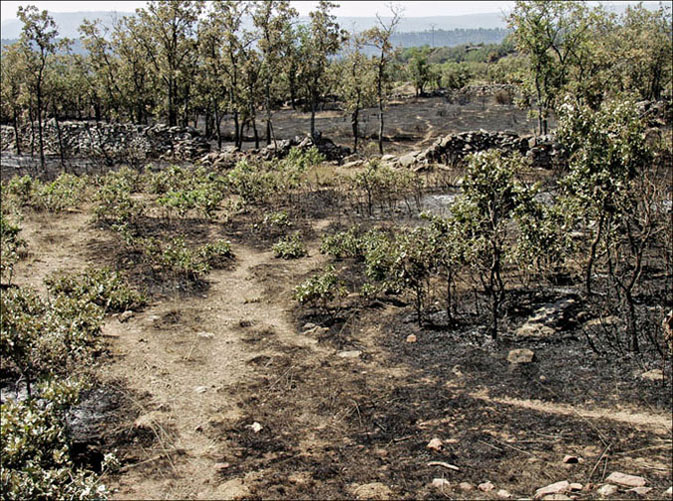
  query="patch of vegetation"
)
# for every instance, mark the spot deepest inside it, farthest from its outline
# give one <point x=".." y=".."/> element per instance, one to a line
<point x="290" y="247"/>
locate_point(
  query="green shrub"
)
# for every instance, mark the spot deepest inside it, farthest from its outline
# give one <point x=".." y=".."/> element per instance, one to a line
<point x="66" y="191"/>
<point x="343" y="244"/>
<point x="35" y="462"/>
<point x="103" y="287"/>
<point x="39" y="339"/>
<point x="290" y="247"/>
<point x="216" y="254"/>
<point x="319" y="290"/>
<point x="10" y="245"/>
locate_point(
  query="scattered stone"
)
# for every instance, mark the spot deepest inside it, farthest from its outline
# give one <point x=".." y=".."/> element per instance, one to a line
<point x="486" y="486"/>
<point x="435" y="444"/>
<point x="220" y="467"/>
<point x="653" y="375"/>
<point x="411" y="338"/>
<point x="465" y="486"/>
<point x="548" y="319"/>
<point x="605" y="321"/>
<point x="625" y="479"/>
<point x="669" y="491"/>
<point x="503" y="494"/>
<point x="255" y="427"/>
<point x="201" y="389"/>
<point x="607" y="490"/>
<point x="555" y="488"/>
<point x="205" y="335"/>
<point x="374" y="490"/>
<point x="556" y="497"/>
<point x="124" y="317"/>
<point x="308" y="326"/>
<point x="576" y="486"/>
<point x="299" y="478"/>
<point x="641" y="491"/>
<point x="448" y="466"/>
<point x="441" y="483"/>
<point x="521" y="356"/>
<point x="349" y="354"/>
<point x="568" y="459"/>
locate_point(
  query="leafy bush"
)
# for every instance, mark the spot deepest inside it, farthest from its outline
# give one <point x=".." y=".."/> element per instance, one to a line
<point x="290" y="247"/>
<point x="39" y="339"/>
<point x="278" y="219"/>
<point x="35" y="462"/>
<point x="103" y="287"/>
<point x="320" y="290"/>
<point x="343" y="244"/>
<point x="66" y="191"/>
<point x="115" y="207"/>
<point x="10" y="245"/>
<point x="216" y="254"/>
<point x="174" y="257"/>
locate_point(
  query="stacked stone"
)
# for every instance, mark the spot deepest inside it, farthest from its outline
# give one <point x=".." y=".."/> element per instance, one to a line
<point x="453" y="148"/>
<point x="325" y="146"/>
<point x="113" y="140"/>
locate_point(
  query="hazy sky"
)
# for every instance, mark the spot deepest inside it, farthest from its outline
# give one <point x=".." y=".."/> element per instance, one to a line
<point x="349" y="8"/>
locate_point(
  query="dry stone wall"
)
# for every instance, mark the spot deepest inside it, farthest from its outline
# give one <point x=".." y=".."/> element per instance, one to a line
<point x="112" y="141"/>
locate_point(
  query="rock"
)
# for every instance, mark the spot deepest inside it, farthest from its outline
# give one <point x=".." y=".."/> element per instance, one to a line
<point x="669" y="491"/>
<point x="607" y="490"/>
<point x="255" y="427"/>
<point x="641" y="491"/>
<point x="388" y="158"/>
<point x="308" y="326"/>
<point x="349" y="354"/>
<point x="653" y="375"/>
<point x="534" y="330"/>
<point x="625" y="479"/>
<point x="411" y="338"/>
<point x="465" y="486"/>
<point x="486" y="486"/>
<point x="555" y="488"/>
<point x="557" y="497"/>
<point x="220" y="467"/>
<point x="576" y="486"/>
<point x="407" y="160"/>
<point x="435" y="444"/>
<point x="568" y="459"/>
<point x="299" y="478"/>
<point x="200" y="389"/>
<point x="205" y="335"/>
<point x="521" y="356"/>
<point x="503" y="494"/>
<point x="124" y="317"/>
<point x="603" y="322"/>
<point x="374" y="490"/>
<point x="441" y="483"/>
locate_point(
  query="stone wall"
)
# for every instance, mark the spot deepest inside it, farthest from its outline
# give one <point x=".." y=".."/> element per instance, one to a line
<point x="112" y="141"/>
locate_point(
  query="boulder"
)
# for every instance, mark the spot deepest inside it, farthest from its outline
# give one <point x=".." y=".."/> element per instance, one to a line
<point x="521" y="356"/>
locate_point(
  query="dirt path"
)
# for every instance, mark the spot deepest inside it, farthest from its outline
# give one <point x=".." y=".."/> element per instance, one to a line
<point x="184" y="353"/>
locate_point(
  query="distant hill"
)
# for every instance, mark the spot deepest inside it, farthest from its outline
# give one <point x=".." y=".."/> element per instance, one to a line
<point x="67" y="22"/>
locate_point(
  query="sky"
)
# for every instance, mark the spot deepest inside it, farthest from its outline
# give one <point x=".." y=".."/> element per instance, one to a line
<point x="348" y="8"/>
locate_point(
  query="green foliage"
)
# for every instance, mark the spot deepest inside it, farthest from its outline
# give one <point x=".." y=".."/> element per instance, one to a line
<point x="35" y="460"/>
<point x="10" y="247"/>
<point x="41" y="339"/>
<point x="175" y="257"/>
<point x="115" y="207"/>
<point x="382" y="184"/>
<point x="343" y="244"/>
<point x="103" y="287"/>
<point x="278" y="219"/>
<point x="216" y="254"/>
<point x="290" y="247"/>
<point x="66" y="191"/>
<point x="319" y="290"/>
